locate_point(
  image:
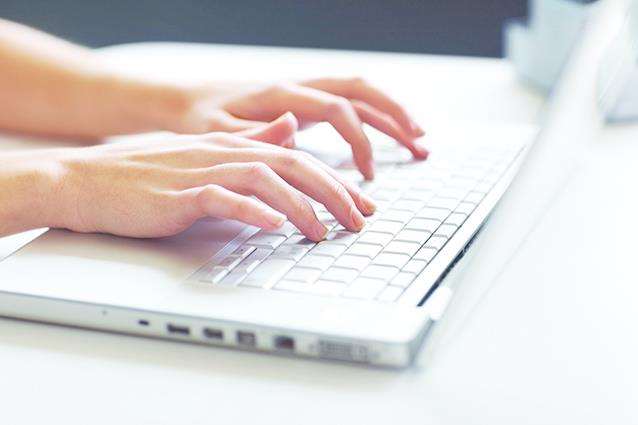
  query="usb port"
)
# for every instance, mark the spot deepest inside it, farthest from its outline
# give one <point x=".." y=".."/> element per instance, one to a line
<point x="246" y="339"/>
<point x="212" y="333"/>
<point x="178" y="329"/>
<point x="284" y="343"/>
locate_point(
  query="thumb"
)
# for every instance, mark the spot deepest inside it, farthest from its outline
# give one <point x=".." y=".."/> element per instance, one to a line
<point x="279" y="132"/>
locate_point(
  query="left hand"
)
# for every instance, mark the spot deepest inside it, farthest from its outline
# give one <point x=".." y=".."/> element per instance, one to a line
<point x="344" y="103"/>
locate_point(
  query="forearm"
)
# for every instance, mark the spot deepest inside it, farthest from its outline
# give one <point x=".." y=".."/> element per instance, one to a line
<point x="29" y="182"/>
<point x="49" y="86"/>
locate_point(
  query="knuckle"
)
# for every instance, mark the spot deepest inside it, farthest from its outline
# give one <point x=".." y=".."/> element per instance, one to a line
<point x="337" y="191"/>
<point x="279" y="88"/>
<point x="358" y="81"/>
<point x="257" y="170"/>
<point x="339" y="106"/>
<point x="290" y="159"/>
<point x="300" y="207"/>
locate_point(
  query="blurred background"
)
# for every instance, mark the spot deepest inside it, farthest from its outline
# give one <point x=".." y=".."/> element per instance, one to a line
<point x="459" y="27"/>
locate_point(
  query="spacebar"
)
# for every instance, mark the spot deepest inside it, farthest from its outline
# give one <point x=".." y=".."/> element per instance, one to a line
<point x="268" y="273"/>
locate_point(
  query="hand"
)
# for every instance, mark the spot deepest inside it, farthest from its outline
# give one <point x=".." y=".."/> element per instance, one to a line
<point x="160" y="187"/>
<point x="344" y="103"/>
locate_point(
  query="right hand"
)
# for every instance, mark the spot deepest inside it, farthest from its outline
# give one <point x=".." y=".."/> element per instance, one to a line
<point x="160" y="187"/>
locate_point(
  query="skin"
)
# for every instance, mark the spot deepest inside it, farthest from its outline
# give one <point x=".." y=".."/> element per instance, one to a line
<point x="231" y="158"/>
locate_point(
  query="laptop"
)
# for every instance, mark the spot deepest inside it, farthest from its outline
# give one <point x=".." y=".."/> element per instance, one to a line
<point x="368" y="298"/>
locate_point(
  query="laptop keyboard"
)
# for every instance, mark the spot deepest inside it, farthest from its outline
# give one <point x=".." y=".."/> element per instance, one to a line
<point x="421" y="205"/>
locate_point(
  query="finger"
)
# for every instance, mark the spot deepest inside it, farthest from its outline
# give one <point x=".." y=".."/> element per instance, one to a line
<point x="364" y="203"/>
<point x="220" y="120"/>
<point x="312" y="180"/>
<point x="389" y="126"/>
<point x="216" y="201"/>
<point x="279" y="132"/>
<point x="317" y="106"/>
<point x="357" y="88"/>
<point x="256" y="178"/>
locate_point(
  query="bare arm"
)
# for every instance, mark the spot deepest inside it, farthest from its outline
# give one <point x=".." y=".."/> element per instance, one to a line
<point x="50" y="86"/>
<point x="53" y="87"/>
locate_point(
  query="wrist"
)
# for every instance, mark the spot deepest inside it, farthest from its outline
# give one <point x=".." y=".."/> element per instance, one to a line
<point x="147" y="105"/>
<point x="30" y="186"/>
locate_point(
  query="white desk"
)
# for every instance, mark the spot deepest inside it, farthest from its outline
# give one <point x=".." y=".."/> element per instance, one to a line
<point x="552" y="342"/>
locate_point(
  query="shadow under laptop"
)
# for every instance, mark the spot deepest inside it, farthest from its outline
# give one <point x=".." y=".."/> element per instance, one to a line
<point x="202" y="359"/>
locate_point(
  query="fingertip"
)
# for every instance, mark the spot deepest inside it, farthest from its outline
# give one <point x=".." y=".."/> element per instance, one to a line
<point x="368" y="204"/>
<point x="366" y="167"/>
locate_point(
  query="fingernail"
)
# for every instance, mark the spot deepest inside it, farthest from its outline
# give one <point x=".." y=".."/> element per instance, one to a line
<point x="321" y="231"/>
<point x="368" y="204"/>
<point x="417" y="130"/>
<point x="357" y="220"/>
<point x="274" y="218"/>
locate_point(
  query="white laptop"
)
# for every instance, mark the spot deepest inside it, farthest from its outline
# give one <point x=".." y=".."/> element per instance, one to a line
<point x="366" y="298"/>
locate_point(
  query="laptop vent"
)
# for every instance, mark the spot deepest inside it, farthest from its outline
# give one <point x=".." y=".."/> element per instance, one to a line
<point x="342" y="351"/>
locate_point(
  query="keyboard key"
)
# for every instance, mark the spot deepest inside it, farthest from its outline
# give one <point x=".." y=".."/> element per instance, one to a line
<point x="352" y="262"/>
<point x="385" y="195"/>
<point x="465" y="208"/>
<point x="433" y="213"/>
<point x="406" y="205"/>
<point x="436" y="242"/>
<point x="390" y="294"/>
<point x="459" y="182"/>
<point x="287" y="229"/>
<point x="215" y="275"/>
<point x="329" y="249"/>
<point x="303" y="274"/>
<point x="254" y="259"/>
<point x="343" y="238"/>
<point x="426" y="254"/>
<point x="403" y="279"/>
<point x="299" y="239"/>
<point x="265" y="240"/>
<point x="327" y="288"/>
<point x="380" y="272"/>
<point x="233" y="278"/>
<point x="292" y="252"/>
<point x="484" y="186"/>
<point x="416" y="194"/>
<point x="375" y="238"/>
<point x="423" y="224"/>
<point x="268" y="273"/>
<point x="447" y="203"/>
<point x="452" y="193"/>
<point x="243" y="251"/>
<point x="339" y="274"/>
<point x="320" y="262"/>
<point x="446" y="230"/>
<point x="383" y="226"/>
<point x="394" y="260"/>
<point x="414" y="266"/>
<point x="474" y="197"/>
<point x="399" y="247"/>
<point x="364" y="249"/>
<point x="397" y="215"/>
<point x="456" y="219"/>
<point x="364" y="288"/>
<point x="416" y="236"/>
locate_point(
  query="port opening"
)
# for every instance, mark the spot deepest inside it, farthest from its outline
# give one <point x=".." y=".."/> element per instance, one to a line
<point x="284" y="343"/>
<point x="178" y="329"/>
<point x="143" y="322"/>
<point x="212" y="333"/>
<point x="246" y="339"/>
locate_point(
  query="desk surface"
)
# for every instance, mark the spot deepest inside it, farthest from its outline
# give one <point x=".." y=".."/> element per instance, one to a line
<point x="552" y="341"/>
